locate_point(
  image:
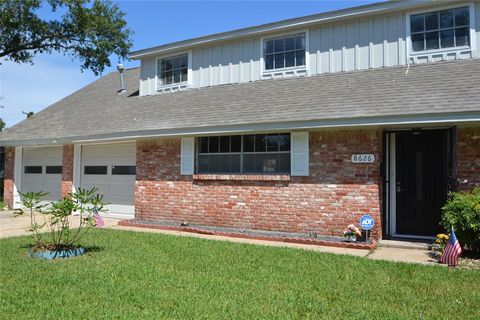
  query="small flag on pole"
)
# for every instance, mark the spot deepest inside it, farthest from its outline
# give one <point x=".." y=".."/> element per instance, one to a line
<point x="452" y="250"/>
<point x="98" y="219"/>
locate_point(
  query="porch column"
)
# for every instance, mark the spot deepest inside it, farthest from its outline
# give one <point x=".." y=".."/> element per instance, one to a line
<point x="8" y="182"/>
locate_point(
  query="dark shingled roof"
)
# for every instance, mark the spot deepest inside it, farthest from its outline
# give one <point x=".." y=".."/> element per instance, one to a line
<point x="96" y="110"/>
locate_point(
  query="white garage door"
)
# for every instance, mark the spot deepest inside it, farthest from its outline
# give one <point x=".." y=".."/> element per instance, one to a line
<point x="111" y="169"/>
<point x="42" y="171"/>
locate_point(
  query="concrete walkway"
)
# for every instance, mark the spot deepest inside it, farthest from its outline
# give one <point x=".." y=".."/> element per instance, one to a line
<point x="10" y="227"/>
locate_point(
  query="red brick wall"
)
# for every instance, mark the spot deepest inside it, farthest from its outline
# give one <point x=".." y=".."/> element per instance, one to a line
<point x="8" y="177"/>
<point x="468" y="157"/>
<point x="335" y="194"/>
<point x="67" y="170"/>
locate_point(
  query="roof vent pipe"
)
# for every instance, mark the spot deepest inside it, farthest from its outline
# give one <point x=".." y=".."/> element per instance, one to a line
<point x="120" y="69"/>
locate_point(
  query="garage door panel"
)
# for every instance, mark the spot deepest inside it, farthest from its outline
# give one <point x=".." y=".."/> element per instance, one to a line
<point x="42" y="157"/>
<point x="118" y="187"/>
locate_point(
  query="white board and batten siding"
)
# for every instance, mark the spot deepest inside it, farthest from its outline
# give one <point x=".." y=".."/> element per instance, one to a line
<point x="299" y="154"/>
<point x="118" y="189"/>
<point x="39" y="158"/>
<point x="358" y="44"/>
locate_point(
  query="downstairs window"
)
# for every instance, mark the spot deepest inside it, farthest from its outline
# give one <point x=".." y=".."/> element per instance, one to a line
<point x="243" y="154"/>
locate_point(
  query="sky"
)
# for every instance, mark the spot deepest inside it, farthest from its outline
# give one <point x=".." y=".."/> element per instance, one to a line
<point x="26" y="87"/>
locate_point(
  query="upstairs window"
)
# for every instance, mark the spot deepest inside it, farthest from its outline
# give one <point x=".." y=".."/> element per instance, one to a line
<point x="247" y="154"/>
<point x="440" y="29"/>
<point x="284" y="52"/>
<point x="173" y="70"/>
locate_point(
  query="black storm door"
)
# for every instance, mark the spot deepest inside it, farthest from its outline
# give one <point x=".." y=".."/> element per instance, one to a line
<point x="421" y="181"/>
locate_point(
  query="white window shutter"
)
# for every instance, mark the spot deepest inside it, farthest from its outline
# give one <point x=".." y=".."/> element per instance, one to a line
<point x="187" y="155"/>
<point x="299" y="153"/>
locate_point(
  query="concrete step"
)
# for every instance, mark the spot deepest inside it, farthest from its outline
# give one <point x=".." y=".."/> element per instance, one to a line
<point x="405" y="244"/>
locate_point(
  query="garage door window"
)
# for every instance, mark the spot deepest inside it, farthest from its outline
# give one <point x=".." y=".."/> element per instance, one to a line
<point x="95" y="170"/>
<point x="33" y="169"/>
<point x="53" y="169"/>
<point x="124" y="170"/>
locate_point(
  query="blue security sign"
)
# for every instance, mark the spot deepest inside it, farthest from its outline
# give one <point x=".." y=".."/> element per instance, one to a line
<point x="367" y="222"/>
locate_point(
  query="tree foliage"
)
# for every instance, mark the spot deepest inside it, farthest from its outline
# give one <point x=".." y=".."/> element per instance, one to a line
<point x="2" y="124"/>
<point x="87" y="30"/>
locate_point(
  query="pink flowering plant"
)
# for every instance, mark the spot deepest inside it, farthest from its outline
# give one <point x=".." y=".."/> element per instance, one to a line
<point x="351" y="230"/>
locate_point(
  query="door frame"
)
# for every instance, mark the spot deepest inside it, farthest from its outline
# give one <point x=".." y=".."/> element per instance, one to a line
<point x="390" y="178"/>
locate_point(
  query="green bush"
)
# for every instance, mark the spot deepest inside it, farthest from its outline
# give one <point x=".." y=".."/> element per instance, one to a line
<point x="462" y="212"/>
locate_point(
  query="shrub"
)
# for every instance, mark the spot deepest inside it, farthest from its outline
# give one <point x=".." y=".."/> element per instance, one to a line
<point x="55" y="232"/>
<point x="462" y="212"/>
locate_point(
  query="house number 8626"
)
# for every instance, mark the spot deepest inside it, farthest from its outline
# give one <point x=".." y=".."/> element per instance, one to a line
<point x="363" y="158"/>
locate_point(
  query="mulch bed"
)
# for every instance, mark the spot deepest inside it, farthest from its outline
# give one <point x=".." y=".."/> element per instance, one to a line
<point x="251" y="234"/>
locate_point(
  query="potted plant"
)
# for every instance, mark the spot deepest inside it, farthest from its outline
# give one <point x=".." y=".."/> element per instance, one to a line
<point x="351" y="233"/>
<point x="57" y="235"/>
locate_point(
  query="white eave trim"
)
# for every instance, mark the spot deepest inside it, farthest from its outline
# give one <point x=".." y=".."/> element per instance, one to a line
<point x="280" y="26"/>
<point x="411" y="120"/>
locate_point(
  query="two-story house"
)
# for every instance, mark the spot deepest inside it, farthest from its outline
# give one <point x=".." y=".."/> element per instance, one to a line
<point x="300" y="126"/>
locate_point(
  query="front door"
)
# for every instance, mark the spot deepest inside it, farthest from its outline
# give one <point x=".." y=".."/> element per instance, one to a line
<point x="421" y="181"/>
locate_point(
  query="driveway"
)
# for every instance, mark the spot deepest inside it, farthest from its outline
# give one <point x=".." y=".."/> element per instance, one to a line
<point x="11" y="226"/>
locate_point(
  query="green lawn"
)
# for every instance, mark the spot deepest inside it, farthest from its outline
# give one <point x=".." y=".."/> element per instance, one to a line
<point x="131" y="275"/>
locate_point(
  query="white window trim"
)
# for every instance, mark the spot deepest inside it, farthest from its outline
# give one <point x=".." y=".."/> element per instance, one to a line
<point x="305" y="68"/>
<point x="188" y="83"/>
<point x="473" y="42"/>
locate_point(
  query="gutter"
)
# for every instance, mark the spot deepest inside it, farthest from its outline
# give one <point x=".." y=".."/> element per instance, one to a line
<point x="346" y="123"/>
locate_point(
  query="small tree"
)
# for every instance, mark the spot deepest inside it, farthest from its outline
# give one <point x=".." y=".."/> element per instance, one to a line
<point x="56" y="232"/>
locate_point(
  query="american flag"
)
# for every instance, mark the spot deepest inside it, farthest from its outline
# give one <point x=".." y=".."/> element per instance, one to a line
<point x="98" y="219"/>
<point x="452" y="251"/>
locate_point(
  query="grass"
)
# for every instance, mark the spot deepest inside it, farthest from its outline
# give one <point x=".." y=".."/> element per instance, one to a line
<point x="131" y="275"/>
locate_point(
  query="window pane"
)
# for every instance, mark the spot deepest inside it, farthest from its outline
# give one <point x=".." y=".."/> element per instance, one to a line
<point x="300" y="42"/>
<point x="224" y="164"/>
<point x="446" y="38"/>
<point x="269" y="62"/>
<point x="431" y="40"/>
<point x="168" y="64"/>
<point x="249" y="143"/>
<point x="202" y="164"/>
<point x="279" y="60"/>
<point x="124" y="170"/>
<point x="290" y="59"/>
<point x="168" y="77"/>
<point x="431" y="21"/>
<point x="418" y="43"/>
<point x="162" y="66"/>
<point x="176" y="76"/>
<point x="95" y="170"/>
<point x="283" y="163"/>
<point x="203" y="145"/>
<point x="33" y="169"/>
<point x="272" y="142"/>
<point x="269" y="46"/>
<point x="279" y="45"/>
<point x="184" y="61"/>
<point x="284" y="142"/>
<point x="225" y="144"/>
<point x="249" y="163"/>
<point x="213" y="144"/>
<point x="446" y="19"/>
<point x="176" y="63"/>
<point x="416" y="23"/>
<point x="213" y="163"/>
<point x="289" y="44"/>
<point x="53" y="169"/>
<point x="184" y="77"/>
<point x="235" y="163"/>
<point x="300" y="57"/>
<point x="462" y="17"/>
<point x="266" y="163"/>
<point x="236" y="143"/>
<point x="462" y="37"/>
<point x="260" y="142"/>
